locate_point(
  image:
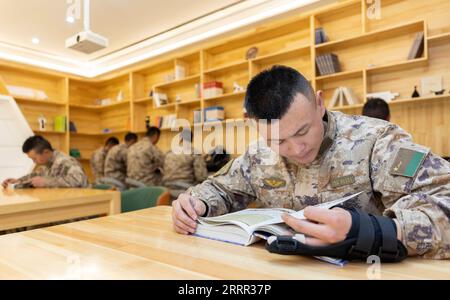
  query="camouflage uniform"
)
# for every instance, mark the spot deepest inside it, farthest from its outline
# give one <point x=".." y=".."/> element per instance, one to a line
<point x="145" y="162"/>
<point x="98" y="163"/>
<point x="189" y="168"/>
<point x="62" y="171"/>
<point x="400" y="179"/>
<point x="185" y="169"/>
<point x="116" y="163"/>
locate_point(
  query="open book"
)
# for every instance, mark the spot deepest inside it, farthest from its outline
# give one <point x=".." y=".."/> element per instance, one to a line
<point x="247" y="226"/>
<point x="251" y="225"/>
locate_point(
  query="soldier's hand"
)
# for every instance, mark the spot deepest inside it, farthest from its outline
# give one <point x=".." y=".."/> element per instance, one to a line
<point x="185" y="211"/>
<point x="8" y="181"/>
<point x="323" y="226"/>
<point x="38" y="182"/>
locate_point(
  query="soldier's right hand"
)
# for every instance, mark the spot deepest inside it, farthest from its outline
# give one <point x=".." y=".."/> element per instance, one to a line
<point x="185" y="211"/>
<point x="8" y="181"/>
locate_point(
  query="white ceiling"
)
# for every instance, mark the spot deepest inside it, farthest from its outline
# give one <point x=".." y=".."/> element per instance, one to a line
<point x="136" y="29"/>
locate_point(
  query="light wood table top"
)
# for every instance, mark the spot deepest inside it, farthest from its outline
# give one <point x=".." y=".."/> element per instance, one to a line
<point x="142" y="245"/>
<point x="27" y="207"/>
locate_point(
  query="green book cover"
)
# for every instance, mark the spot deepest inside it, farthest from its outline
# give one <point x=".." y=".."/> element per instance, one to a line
<point x="60" y="123"/>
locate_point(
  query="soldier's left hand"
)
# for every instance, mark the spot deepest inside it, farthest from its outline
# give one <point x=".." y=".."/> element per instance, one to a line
<point x="38" y="182"/>
<point x="323" y="226"/>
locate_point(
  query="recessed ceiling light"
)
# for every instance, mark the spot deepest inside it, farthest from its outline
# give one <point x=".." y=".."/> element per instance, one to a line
<point x="35" y="41"/>
<point x="70" y="19"/>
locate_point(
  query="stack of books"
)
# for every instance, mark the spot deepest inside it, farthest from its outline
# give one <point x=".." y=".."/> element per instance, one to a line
<point x="328" y="64"/>
<point x="341" y="96"/>
<point x="212" y="89"/>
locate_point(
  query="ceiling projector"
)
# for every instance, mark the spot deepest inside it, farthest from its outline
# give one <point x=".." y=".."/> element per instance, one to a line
<point x="87" y="42"/>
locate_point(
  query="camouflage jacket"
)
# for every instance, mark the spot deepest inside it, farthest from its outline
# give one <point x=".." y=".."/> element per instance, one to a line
<point x="98" y="163"/>
<point x="145" y="162"/>
<point x="400" y="179"/>
<point x="189" y="168"/>
<point x="116" y="163"/>
<point x="62" y="171"/>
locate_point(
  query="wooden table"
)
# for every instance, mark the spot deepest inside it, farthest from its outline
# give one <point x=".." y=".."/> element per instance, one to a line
<point x="28" y="207"/>
<point x="142" y="245"/>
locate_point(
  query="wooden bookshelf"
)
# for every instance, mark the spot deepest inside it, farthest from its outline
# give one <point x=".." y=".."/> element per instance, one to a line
<point x="372" y="53"/>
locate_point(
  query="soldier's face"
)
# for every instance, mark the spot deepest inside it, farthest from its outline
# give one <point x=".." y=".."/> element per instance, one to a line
<point x="300" y="130"/>
<point x="40" y="158"/>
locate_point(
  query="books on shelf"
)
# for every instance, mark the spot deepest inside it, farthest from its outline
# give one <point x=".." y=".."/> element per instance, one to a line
<point x="160" y="99"/>
<point x="167" y="121"/>
<point x="417" y="47"/>
<point x="214" y="113"/>
<point x="328" y="64"/>
<point x="321" y="37"/>
<point x="60" y="123"/>
<point x="212" y="89"/>
<point x="341" y="96"/>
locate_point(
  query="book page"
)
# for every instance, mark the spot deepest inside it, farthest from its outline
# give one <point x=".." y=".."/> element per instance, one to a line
<point x="248" y="219"/>
<point x="299" y="214"/>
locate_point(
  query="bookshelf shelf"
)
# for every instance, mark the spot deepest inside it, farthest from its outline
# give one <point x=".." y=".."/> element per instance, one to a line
<point x="189" y="103"/>
<point x="341" y="75"/>
<point x="40" y="102"/>
<point x="49" y="132"/>
<point x="99" y="107"/>
<point x="178" y="82"/>
<point x="439" y="39"/>
<point x="373" y="36"/>
<point x="282" y="55"/>
<point x="227" y="67"/>
<point x="143" y="100"/>
<point x="226" y="96"/>
<point x="398" y="66"/>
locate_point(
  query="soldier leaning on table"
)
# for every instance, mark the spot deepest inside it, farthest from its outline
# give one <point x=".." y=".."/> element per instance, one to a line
<point x="54" y="169"/>
<point x="321" y="155"/>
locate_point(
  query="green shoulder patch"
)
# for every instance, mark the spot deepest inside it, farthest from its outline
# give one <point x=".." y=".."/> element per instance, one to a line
<point x="225" y="169"/>
<point x="407" y="162"/>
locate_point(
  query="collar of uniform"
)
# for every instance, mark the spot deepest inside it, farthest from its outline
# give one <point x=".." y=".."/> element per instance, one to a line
<point x="329" y="136"/>
<point x="52" y="159"/>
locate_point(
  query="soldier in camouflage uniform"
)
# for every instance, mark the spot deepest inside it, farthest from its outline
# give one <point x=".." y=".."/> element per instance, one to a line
<point x="183" y="170"/>
<point x="320" y="156"/>
<point x="99" y="156"/>
<point x="145" y="160"/>
<point x="116" y="159"/>
<point x="54" y="169"/>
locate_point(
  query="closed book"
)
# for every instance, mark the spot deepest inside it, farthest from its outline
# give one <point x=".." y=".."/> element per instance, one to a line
<point x="60" y="124"/>
<point x="417" y="46"/>
<point x="335" y="63"/>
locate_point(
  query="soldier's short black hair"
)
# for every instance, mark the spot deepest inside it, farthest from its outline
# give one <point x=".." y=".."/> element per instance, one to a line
<point x="271" y="92"/>
<point x="131" y="137"/>
<point x="112" y="141"/>
<point x="153" y="131"/>
<point x="376" y="108"/>
<point x="37" y="143"/>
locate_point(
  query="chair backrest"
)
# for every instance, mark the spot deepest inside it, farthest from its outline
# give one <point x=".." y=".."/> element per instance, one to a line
<point x="141" y="198"/>
<point x="103" y="187"/>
